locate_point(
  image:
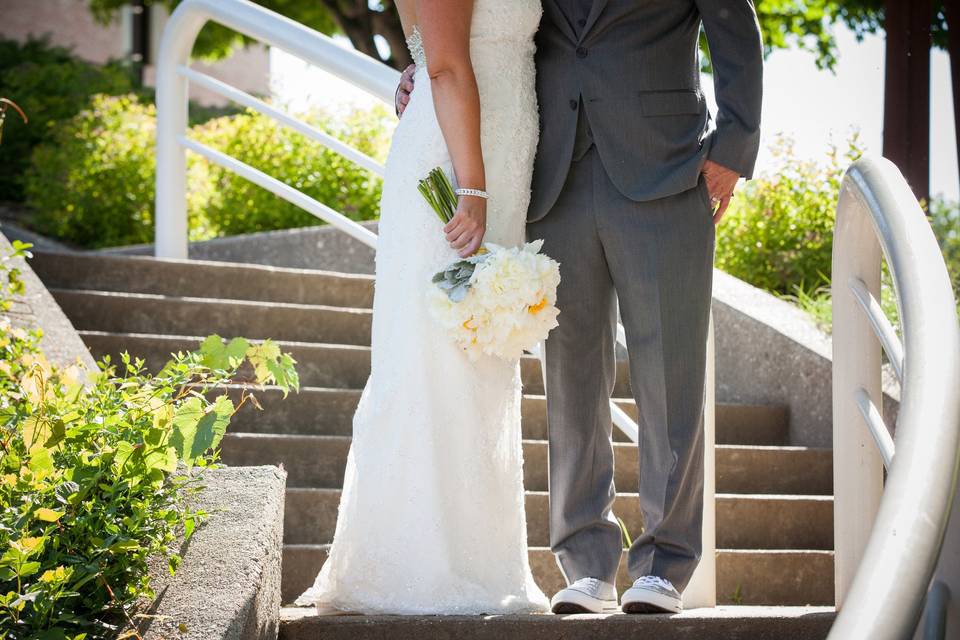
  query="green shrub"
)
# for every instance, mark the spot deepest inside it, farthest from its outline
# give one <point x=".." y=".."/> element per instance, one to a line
<point x="93" y="477"/>
<point x="36" y="50"/>
<point x="92" y="184"/>
<point x="945" y="221"/>
<point x="242" y="207"/>
<point x="50" y="85"/>
<point x="778" y="232"/>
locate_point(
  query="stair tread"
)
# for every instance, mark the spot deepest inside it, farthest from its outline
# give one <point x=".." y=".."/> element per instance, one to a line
<point x="541" y="549"/>
<point x="288" y="613"/>
<point x="176" y="337"/>
<point x="153" y="261"/>
<point x="719" y="623"/>
<point x="240" y="302"/>
<point x="627" y="494"/>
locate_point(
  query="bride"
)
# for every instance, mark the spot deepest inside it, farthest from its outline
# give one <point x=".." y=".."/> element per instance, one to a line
<point x="431" y="518"/>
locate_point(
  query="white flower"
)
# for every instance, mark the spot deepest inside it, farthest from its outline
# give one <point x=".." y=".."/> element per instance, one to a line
<point x="510" y="305"/>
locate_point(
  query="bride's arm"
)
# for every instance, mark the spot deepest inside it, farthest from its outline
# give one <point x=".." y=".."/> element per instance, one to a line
<point x="445" y="25"/>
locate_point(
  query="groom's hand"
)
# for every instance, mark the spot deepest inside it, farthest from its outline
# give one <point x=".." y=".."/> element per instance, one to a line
<point x="404" y="89"/>
<point x="721" y="183"/>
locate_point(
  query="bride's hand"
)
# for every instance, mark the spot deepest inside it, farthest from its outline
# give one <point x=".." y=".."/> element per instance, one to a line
<point x="465" y="231"/>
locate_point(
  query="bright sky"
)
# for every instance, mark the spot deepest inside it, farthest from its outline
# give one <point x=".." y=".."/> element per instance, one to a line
<point x="812" y="106"/>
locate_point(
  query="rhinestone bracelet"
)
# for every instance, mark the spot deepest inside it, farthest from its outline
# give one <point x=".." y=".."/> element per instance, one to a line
<point x="473" y="192"/>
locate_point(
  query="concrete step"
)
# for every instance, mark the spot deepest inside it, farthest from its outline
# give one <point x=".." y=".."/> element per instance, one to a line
<point x="154" y="314"/>
<point x="319" y="365"/>
<point x="329" y="412"/>
<point x="202" y="279"/>
<point x="743" y="522"/>
<point x="779" y="470"/>
<point x="772" y="578"/>
<point x="339" y="366"/>
<point x="721" y="623"/>
<point x="319" y="462"/>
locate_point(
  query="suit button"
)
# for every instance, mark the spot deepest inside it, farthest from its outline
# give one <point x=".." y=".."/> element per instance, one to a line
<point x="581" y="52"/>
<point x="573" y="105"/>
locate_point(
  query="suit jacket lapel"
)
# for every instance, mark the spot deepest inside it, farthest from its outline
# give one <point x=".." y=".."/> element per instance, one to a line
<point x="595" y="11"/>
<point x="560" y="18"/>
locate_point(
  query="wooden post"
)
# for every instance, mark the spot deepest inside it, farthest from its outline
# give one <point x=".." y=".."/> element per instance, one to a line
<point x="952" y="9"/>
<point x="906" y="119"/>
<point x="140" y="38"/>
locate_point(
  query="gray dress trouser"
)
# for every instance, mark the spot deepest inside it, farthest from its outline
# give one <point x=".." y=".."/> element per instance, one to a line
<point x="656" y="258"/>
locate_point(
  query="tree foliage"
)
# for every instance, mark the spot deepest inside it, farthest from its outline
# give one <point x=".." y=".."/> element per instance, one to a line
<point x="808" y="24"/>
<point x="360" y="20"/>
<point x="805" y="24"/>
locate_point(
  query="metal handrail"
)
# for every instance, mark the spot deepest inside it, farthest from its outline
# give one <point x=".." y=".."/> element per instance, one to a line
<point x="888" y="536"/>
<point x="173" y="77"/>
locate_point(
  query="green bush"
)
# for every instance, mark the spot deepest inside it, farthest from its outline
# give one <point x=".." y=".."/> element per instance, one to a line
<point x="945" y="221"/>
<point x="242" y="207"/>
<point x="778" y="232"/>
<point x="93" y="477"/>
<point x="50" y="85"/>
<point x="93" y="183"/>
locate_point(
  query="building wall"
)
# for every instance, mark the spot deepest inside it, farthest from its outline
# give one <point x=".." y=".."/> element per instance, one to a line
<point x="69" y="24"/>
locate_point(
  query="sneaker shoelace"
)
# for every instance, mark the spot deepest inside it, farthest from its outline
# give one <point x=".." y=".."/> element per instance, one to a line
<point x="589" y="585"/>
<point x="654" y="581"/>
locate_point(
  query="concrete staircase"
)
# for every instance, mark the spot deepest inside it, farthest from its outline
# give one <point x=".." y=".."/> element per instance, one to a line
<point x="774" y="503"/>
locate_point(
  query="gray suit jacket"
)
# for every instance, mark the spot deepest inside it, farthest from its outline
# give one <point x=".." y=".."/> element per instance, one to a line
<point x="635" y="63"/>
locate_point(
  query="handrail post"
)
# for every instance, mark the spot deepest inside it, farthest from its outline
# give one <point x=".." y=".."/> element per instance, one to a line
<point x="702" y="590"/>
<point x="857" y="467"/>
<point x="170" y="214"/>
<point x="883" y="600"/>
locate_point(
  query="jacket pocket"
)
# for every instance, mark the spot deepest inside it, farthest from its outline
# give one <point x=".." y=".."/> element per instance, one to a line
<point x="670" y="103"/>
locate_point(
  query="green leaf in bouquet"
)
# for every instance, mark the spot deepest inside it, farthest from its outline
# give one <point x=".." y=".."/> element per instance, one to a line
<point x="459" y="293"/>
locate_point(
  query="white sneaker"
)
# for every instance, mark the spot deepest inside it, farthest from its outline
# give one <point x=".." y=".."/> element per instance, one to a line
<point x="586" y="595"/>
<point x="650" y="594"/>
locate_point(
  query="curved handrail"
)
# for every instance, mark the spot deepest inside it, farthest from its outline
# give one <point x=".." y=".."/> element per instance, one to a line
<point x="174" y="74"/>
<point x="882" y="599"/>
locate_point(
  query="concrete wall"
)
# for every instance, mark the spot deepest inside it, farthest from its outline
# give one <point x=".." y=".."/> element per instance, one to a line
<point x="70" y="24"/>
<point x="36" y="309"/>
<point x="228" y="586"/>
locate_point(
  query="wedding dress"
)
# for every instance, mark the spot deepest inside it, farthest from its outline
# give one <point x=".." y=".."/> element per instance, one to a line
<point x="431" y="518"/>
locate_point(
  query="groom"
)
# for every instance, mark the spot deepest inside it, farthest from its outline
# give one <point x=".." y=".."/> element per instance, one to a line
<point x="630" y="178"/>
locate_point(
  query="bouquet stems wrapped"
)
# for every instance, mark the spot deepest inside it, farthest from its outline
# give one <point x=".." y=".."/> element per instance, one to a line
<point x="438" y="192"/>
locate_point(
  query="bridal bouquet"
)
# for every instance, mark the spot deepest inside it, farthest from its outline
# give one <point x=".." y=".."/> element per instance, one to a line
<point x="500" y="301"/>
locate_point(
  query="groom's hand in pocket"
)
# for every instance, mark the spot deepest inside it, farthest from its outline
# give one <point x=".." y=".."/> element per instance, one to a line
<point x="721" y="183"/>
<point x="404" y="89"/>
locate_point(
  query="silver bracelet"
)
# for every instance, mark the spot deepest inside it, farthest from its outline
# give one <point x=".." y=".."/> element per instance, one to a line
<point x="473" y="192"/>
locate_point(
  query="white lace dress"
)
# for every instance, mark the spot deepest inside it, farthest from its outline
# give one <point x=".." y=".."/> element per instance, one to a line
<point x="431" y="519"/>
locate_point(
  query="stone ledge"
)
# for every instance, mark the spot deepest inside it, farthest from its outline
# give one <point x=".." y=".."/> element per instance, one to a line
<point x="721" y="623"/>
<point x="321" y="247"/>
<point x="228" y="586"/>
<point x="36" y="309"/>
<point x="770" y="351"/>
